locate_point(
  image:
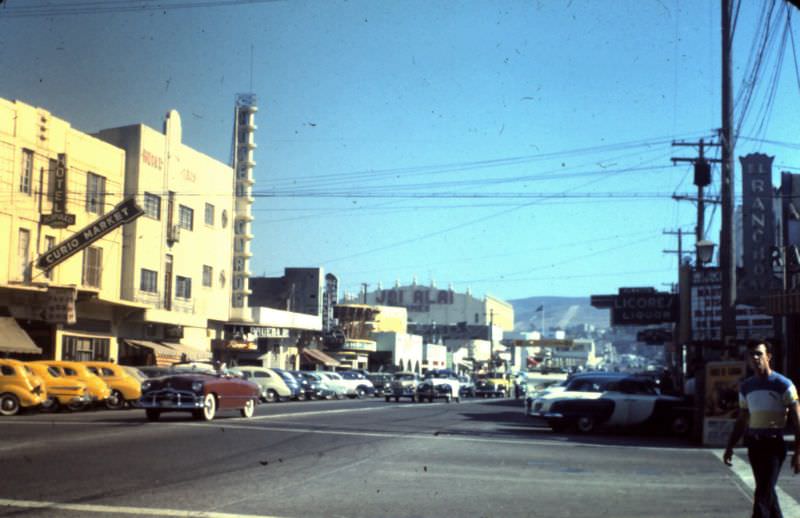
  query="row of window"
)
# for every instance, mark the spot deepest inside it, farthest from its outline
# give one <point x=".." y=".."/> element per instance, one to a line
<point x="152" y="208"/>
<point x="148" y="282"/>
<point x="95" y="184"/>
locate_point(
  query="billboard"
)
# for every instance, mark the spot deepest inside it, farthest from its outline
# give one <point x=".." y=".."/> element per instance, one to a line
<point x="643" y="306"/>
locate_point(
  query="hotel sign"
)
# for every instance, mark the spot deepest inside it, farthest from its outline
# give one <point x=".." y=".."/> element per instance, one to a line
<point x="122" y="213"/>
<point x="59" y="218"/>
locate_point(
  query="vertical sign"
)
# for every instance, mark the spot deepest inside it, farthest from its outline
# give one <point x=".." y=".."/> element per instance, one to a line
<point x="758" y="228"/>
<point x="59" y="218"/>
<point x="244" y="126"/>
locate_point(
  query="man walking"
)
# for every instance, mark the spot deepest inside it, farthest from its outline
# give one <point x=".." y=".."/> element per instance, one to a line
<point x="764" y="401"/>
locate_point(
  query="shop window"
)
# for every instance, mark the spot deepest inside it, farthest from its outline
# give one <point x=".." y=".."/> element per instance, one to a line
<point x="83" y="348"/>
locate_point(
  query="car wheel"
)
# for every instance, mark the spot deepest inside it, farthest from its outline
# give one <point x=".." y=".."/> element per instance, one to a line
<point x="75" y="406"/>
<point x="360" y="393"/>
<point x="249" y="408"/>
<point x="209" y="408"/>
<point x="9" y="404"/>
<point x="152" y="414"/>
<point x="301" y="396"/>
<point x="115" y="401"/>
<point x="51" y="405"/>
<point x="339" y="395"/>
<point x="272" y="396"/>
<point x="585" y="424"/>
<point x="680" y="425"/>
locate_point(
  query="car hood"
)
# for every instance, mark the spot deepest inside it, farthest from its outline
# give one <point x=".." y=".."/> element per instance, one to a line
<point x="178" y="381"/>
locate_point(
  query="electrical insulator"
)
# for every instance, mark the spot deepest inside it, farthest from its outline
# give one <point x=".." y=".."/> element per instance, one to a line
<point x="702" y="173"/>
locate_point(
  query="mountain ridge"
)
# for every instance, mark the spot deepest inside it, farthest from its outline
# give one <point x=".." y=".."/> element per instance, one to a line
<point x="558" y="312"/>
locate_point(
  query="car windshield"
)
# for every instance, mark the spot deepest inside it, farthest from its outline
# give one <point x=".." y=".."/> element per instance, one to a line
<point x="404" y="377"/>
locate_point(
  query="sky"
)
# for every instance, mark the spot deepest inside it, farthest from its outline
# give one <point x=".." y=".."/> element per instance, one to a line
<point x="512" y="148"/>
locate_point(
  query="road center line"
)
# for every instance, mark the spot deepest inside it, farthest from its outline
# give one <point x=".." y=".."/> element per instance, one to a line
<point x="116" y="509"/>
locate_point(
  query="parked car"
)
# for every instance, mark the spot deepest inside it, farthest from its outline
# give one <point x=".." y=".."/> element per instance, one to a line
<point x="467" y="386"/>
<point x="588" y="402"/>
<point x="404" y="384"/>
<point x="335" y="383"/>
<point x="203" y="392"/>
<point x="61" y="391"/>
<point x="20" y="387"/>
<point x="439" y="384"/>
<point x="314" y="385"/>
<point x="272" y="387"/>
<point x="357" y="384"/>
<point x="125" y="389"/>
<point x="98" y="389"/>
<point x="382" y="381"/>
<point x="493" y="384"/>
<point x="293" y="383"/>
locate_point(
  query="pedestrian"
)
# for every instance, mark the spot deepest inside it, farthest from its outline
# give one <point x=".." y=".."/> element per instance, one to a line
<point x="765" y="399"/>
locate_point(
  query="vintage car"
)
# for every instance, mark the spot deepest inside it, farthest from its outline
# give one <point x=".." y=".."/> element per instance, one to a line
<point x="125" y="389"/>
<point x="467" y="386"/>
<point x="382" y="381"/>
<point x="201" y="391"/>
<point x="439" y="384"/>
<point x="61" y="391"/>
<point x="336" y="383"/>
<point x="491" y="384"/>
<point x="404" y="384"/>
<point x="272" y="387"/>
<point x="623" y="400"/>
<point x="20" y="387"/>
<point x="314" y="385"/>
<point x="98" y="390"/>
<point x="358" y="385"/>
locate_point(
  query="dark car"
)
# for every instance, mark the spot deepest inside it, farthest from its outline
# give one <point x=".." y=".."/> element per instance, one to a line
<point x="382" y="381"/>
<point x="591" y="401"/>
<point x="294" y="384"/>
<point x="201" y="391"/>
<point x="313" y="385"/>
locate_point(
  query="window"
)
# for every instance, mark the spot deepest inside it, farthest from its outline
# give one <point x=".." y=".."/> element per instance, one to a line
<point x="92" y="266"/>
<point x="49" y="244"/>
<point x="95" y="193"/>
<point x="207" y="273"/>
<point x="78" y="348"/>
<point x="186" y="217"/>
<point x="183" y="287"/>
<point x="23" y="253"/>
<point x="152" y="205"/>
<point x="26" y="179"/>
<point x="209" y="214"/>
<point x="148" y="281"/>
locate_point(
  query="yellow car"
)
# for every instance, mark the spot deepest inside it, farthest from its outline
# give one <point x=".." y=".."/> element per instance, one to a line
<point x="19" y="387"/>
<point x="125" y="388"/>
<point x="61" y="391"/>
<point x="98" y="389"/>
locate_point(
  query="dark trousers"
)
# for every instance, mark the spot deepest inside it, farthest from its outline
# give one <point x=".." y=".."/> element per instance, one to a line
<point x="766" y="458"/>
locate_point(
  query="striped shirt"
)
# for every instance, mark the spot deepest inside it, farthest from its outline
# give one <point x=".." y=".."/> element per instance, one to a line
<point x="766" y="399"/>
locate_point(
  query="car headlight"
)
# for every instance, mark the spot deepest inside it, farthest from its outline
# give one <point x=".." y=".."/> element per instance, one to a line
<point x="197" y="386"/>
<point x="146" y="385"/>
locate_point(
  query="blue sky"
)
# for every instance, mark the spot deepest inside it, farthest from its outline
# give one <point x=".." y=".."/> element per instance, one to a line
<point x="518" y="148"/>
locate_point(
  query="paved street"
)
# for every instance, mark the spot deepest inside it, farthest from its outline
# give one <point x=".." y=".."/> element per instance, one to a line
<point x="355" y="458"/>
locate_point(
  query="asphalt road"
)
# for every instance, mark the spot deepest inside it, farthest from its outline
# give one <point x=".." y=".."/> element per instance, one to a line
<point x="356" y="458"/>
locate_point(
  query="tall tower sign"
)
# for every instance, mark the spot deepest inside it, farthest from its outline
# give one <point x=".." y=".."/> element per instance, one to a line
<point x="243" y="163"/>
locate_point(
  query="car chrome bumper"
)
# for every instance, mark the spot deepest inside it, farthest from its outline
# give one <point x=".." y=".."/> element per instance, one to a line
<point x="167" y="399"/>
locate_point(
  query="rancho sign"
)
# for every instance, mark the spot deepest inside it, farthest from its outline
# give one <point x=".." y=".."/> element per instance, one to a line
<point x="122" y="213"/>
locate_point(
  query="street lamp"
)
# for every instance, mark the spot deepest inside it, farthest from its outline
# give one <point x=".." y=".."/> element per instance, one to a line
<point x="705" y="251"/>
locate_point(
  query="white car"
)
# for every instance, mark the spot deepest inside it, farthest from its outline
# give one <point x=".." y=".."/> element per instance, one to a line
<point x="439" y="384"/>
<point x="588" y="402"/>
<point x="358" y="385"/>
<point x="335" y="382"/>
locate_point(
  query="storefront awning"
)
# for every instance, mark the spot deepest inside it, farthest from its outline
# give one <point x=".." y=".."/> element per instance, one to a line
<point x="14" y="339"/>
<point x="190" y="352"/>
<point x="320" y="357"/>
<point x="164" y="354"/>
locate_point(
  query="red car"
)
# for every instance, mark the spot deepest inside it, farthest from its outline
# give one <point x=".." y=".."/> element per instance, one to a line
<point x="203" y="391"/>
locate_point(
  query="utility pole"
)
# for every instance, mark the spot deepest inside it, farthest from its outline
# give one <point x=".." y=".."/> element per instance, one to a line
<point x="364" y="286"/>
<point x="702" y="178"/>
<point x="727" y="260"/>
<point x="679" y="251"/>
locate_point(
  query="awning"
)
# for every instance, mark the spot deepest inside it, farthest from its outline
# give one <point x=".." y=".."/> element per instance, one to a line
<point x="190" y="352"/>
<point x="164" y="355"/>
<point x="14" y="339"/>
<point x="320" y="357"/>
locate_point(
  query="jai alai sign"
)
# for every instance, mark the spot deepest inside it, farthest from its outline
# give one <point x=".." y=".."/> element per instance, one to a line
<point x="122" y="213"/>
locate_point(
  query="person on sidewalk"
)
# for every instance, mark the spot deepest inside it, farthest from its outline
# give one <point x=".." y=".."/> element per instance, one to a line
<point x="765" y="399"/>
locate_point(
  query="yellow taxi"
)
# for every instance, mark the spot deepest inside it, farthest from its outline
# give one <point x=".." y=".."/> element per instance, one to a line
<point x="19" y="387"/>
<point x="98" y="389"/>
<point x="125" y="389"/>
<point x="61" y="391"/>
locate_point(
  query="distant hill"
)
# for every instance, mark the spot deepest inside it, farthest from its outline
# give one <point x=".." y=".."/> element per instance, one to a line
<point x="558" y="312"/>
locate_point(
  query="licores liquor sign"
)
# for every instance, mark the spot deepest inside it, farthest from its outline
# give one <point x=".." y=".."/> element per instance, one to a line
<point x="122" y="213"/>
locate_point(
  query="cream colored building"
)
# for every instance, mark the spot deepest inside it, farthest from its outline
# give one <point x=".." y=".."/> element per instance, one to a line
<point x="51" y="173"/>
<point x="178" y="255"/>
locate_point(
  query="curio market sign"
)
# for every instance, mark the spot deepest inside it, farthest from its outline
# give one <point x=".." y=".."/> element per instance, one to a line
<point x="122" y="213"/>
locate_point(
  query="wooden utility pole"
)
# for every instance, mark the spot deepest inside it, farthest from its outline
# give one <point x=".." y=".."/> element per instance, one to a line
<point x="727" y="260"/>
<point x="702" y="178"/>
